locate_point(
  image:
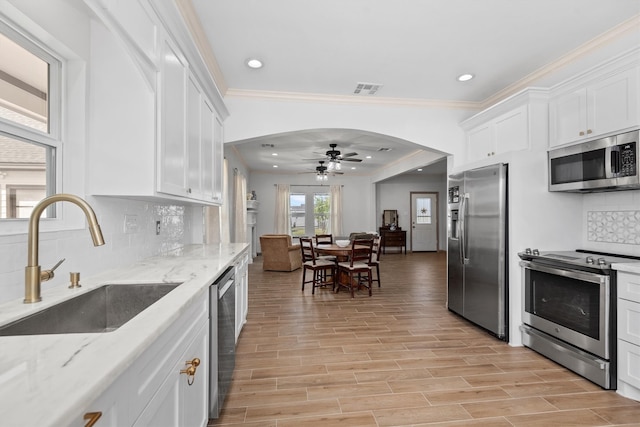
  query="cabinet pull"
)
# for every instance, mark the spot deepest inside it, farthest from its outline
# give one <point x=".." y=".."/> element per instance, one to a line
<point x="91" y="418"/>
<point x="589" y="131"/>
<point x="192" y="366"/>
<point x="581" y="133"/>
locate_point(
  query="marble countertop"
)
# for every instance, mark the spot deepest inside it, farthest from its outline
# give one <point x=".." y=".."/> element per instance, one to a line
<point x="631" y="267"/>
<point x="48" y="380"/>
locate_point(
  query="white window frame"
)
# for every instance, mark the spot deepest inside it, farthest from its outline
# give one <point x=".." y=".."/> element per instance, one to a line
<point x="18" y="27"/>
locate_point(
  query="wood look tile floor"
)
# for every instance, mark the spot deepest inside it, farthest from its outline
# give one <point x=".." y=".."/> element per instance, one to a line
<point x="398" y="358"/>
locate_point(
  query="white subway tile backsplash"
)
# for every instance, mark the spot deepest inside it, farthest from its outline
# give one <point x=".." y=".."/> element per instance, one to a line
<point x="75" y="245"/>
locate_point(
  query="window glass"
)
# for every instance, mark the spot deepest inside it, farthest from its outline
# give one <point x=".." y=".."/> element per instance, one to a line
<point x="423" y="210"/>
<point x="297" y="212"/>
<point x="321" y="213"/>
<point x="28" y="135"/>
<point x="309" y="205"/>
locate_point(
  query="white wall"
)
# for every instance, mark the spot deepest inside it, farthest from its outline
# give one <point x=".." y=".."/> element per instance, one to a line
<point x="358" y="195"/>
<point x="394" y="193"/>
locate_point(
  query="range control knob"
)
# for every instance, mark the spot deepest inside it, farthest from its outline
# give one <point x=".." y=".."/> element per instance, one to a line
<point x="589" y="260"/>
<point x="602" y="261"/>
<point x="536" y="252"/>
<point x="527" y="251"/>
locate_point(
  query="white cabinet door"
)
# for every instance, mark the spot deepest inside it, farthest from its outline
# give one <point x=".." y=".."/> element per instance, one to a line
<point x="218" y="160"/>
<point x="480" y="142"/>
<point x="511" y="131"/>
<point x="194" y="406"/>
<point x="568" y="117"/>
<point x="612" y="104"/>
<point x="176" y="403"/>
<point x="606" y="106"/>
<point x="194" y="170"/>
<point x="111" y="409"/>
<point x="207" y="116"/>
<point x="242" y="292"/>
<point x="173" y="85"/>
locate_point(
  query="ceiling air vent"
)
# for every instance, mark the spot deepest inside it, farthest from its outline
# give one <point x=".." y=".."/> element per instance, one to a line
<point x="384" y="149"/>
<point x="268" y="146"/>
<point x="367" y="88"/>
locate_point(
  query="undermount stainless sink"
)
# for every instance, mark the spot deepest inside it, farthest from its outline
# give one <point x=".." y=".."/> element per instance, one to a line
<point x="103" y="309"/>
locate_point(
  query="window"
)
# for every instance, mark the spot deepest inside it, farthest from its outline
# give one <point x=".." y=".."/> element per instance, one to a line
<point x="309" y="205"/>
<point x="29" y="130"/>
<point x="423" y="207"/>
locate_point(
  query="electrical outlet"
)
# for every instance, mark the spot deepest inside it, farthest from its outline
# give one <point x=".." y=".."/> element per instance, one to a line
<point x="130" y="224"/>
<point x="157" y="228"/>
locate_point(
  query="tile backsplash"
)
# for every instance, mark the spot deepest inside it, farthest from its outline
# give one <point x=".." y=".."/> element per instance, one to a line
<point x="123" y="245"/>
<point x="614" y="227"/>
<point x="611" y="222"/>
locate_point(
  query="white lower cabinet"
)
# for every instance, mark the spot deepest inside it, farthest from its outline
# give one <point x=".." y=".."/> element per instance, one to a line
<point x="629" y="335"/>
<point x="242" y="291"/>
<point x="155" y="389"/>
<point x="181" y="399"/>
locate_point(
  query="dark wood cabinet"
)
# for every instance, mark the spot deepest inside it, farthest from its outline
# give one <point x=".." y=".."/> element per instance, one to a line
<point x="393" y="238"/>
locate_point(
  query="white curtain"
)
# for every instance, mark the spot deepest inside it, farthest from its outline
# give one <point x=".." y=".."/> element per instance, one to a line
<point x="335" y="205"/>
<point x="240" y="194"/>
<point x="282" y="223"/>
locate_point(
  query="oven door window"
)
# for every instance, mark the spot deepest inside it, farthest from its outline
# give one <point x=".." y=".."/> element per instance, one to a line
<point x="566" y="301"/>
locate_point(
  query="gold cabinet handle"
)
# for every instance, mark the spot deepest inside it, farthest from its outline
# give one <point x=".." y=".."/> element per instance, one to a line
<point x="192" y="366"/>
<point x="581" y="133"/>
<point x="91" y="418"/>
<point x="589" y="131"/>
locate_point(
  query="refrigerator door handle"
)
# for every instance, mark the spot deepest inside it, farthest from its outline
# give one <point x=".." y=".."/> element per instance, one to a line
<point x="463" y="229"/>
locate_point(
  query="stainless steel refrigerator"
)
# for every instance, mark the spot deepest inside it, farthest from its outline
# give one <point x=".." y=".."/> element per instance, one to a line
<point x="477" y="257"/>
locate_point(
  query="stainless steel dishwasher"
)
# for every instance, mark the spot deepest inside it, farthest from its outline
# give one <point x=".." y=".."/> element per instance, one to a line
<point x="222" y="339"/>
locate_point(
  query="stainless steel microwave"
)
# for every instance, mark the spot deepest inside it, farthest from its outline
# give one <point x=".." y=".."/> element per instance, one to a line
<point x="604" y="164"/>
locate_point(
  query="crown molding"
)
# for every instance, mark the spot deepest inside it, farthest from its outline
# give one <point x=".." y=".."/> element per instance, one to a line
<point x="202" y="42"/>
<point x="351" y="99"/>
<point x="626" y="27"/>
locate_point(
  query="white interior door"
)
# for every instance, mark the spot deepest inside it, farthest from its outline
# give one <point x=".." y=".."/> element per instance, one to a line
<point x="424" y="222"/>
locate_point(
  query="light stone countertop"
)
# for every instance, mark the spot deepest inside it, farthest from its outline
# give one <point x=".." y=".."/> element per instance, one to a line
<point x="632" y="267"/>
<point x="48" y="380"/>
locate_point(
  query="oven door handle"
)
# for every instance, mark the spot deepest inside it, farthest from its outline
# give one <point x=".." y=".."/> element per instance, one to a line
<point x="566" y="272"/>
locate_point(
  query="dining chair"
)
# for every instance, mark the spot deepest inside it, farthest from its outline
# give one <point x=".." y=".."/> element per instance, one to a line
<point x="375" y="258"/>
<point x="318" y="266"/>
<point x="357" y="269"/>
<point x="325" y="239"/>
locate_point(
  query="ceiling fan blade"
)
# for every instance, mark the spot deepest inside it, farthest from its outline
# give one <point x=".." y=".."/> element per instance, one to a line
<point x="349" y="155"/>
<point x="314" y="160"/>
<point x="351" y="160"/>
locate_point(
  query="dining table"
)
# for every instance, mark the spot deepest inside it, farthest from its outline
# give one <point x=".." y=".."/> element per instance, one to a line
<point x="340" y="252"/>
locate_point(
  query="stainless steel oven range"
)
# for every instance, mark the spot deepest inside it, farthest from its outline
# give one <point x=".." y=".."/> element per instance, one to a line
<point x="570" y="310"/>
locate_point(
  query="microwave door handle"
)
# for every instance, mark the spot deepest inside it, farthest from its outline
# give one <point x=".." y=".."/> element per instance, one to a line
<point x="612" y="162"/>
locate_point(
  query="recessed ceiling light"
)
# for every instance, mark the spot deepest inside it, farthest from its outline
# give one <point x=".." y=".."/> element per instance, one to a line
<point x="254" y="63"/>
<point x="353" y="167"/>
<point x="420" y="170"/>
<point x="275" y="166"/>
<point x="367" y="157"/>
<point x="465" y="77"/>
<point x="274" y="154"/>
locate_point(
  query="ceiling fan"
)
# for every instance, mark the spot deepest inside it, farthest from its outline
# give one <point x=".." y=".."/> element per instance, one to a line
<point x="322" y="172"/>
<point x="334" y="157"/>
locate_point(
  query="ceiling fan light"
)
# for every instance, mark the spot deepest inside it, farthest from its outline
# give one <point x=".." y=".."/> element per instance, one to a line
<point x="337" y="166"/>
<point x="331" y="166"/>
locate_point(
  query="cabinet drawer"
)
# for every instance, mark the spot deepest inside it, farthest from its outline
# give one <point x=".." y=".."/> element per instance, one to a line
<point x="629" y="286"/>
<point x="629" y="321"/>
<point x="629" y="363"/>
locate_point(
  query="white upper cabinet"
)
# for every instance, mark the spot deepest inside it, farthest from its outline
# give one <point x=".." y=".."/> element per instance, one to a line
<point x="172" y="123"/>
<point x="604" y="106"/>
<point x="501" y="134"/>
<point x="154" y="116"/>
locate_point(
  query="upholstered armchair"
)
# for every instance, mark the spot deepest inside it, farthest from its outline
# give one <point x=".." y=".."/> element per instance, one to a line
<point x="278" y="254"/>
